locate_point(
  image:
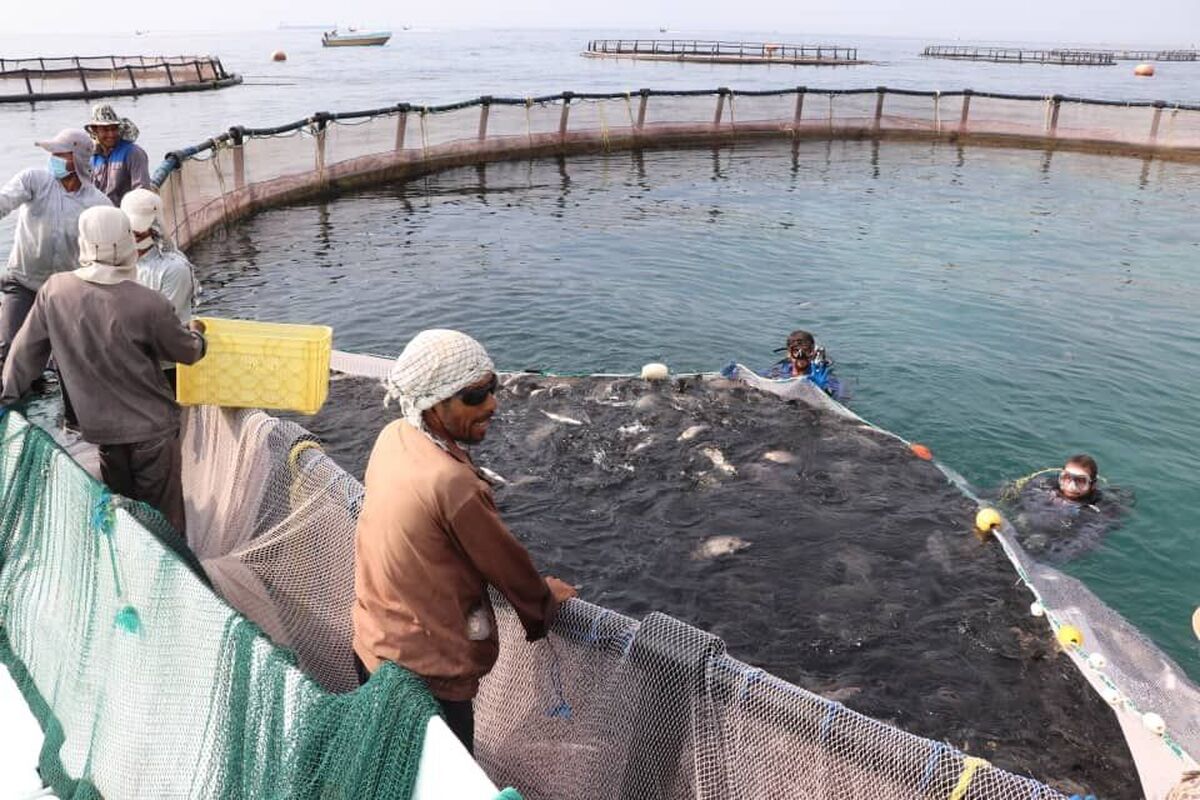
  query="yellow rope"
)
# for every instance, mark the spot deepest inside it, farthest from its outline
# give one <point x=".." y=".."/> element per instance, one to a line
<point x="970" y="766"/>
<point x="297" y="449"/>
<point x="1012" y="490"/>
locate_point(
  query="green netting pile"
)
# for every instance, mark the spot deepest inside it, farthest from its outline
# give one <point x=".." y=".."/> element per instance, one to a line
<point x="148" y="685"/>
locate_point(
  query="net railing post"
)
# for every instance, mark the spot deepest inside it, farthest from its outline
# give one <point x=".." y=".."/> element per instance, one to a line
<point x="880" y="93"/>
<point x="28" y="83"/>
<point x="1156" y="121"/>
<point x="170" y="75"/>
<point x="966" y="111"/>
<point x="82" y="76"/>
<point x="236" y="137"/>
<point x="401" y="125"/>
<point x="564" y="116"/>
<point x="132" y="80"/>
<point x="485" y="104"/>
<point x="199" y="72"/>
<point x="320" y="123"/>
<point x="641" y="117"/>
<point x="1055" y="105"/>
<point x="720" y="107"/>
<point x="800" y="90"/>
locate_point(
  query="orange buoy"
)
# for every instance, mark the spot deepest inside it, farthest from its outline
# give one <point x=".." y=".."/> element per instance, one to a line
<point x="921" y="451"/>
<point x="1144" y="70"/>
<point x="278" y="55"/>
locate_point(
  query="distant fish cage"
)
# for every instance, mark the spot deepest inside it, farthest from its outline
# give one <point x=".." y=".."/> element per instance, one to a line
<point x="1141" y="55"/>
<point x="28" y="80"/>
<point x="1009" y="55"/>
<point x="722" y="52"/>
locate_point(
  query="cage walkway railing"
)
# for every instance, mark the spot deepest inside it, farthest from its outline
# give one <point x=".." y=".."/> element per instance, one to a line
<point x="28" y="80"/>
<point x="1138" y="55"/>
<point x="245" y="169"/>
<point x="703" y="50"/>
<point x="1010" y="55"/>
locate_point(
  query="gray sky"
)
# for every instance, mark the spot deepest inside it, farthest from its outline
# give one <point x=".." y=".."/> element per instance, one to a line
<point x="1166" y="22"/>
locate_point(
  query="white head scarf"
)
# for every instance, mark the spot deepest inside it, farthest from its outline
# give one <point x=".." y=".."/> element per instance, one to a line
<point x="434" y="366"/>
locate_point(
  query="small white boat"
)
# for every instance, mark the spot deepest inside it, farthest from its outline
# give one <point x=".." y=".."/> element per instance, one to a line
<point x="355" y="38"/>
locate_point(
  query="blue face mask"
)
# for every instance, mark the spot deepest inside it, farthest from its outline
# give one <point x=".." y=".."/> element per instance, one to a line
<point x="58" y="167"/>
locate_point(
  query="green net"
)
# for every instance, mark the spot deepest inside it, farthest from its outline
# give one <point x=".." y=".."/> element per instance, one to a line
<point x="145" y="683"/>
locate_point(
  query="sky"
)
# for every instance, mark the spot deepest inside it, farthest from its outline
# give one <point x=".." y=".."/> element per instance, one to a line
<point x="1124" y="22"/>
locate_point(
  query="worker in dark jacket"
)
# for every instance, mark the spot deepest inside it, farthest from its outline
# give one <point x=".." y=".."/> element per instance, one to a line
<point x="108" y="334"/>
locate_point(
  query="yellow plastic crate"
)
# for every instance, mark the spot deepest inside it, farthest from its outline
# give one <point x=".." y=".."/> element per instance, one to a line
<point x="259" y="365"/>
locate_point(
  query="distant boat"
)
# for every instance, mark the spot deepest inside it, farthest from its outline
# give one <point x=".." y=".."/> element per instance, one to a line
<point x="355" y="38"/>
<point x="662" y="30"/>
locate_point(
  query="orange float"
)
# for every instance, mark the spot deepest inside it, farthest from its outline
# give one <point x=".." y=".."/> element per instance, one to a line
<point x="1144" y="70"/>
<point x="921" y="451"/>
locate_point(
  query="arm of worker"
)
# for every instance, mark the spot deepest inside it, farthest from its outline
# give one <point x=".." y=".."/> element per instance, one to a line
<point x="28" y="355"/>
<point x="173" y="341"/>
<point x="137" y="163"/>
<point x="504" y="562"/>
<point x="17" y="192"/>
<point x="179" y="286"/>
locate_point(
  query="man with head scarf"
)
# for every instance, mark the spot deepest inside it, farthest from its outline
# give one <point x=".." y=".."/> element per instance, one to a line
<point x="119" y="165"/>
<point x="160" y="265"/>
<point x="108" y="334"/>
<point x="430" y="540"/>
<point x="46" y="240"/>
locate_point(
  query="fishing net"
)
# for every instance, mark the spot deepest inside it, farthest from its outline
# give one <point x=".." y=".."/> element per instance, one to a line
<point x="148" y="685"/>
<point x="808" y="544"/>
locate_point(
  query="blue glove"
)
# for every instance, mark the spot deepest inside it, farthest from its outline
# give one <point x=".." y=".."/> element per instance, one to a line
<point x="729" y="370"/>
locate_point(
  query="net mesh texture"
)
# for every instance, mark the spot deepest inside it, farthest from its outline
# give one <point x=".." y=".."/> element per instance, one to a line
<point x="148" y="685"/>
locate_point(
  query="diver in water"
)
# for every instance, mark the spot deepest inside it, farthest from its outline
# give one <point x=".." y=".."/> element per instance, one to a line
<point x="1061" y="514"/>
<point x="806" y="360"/>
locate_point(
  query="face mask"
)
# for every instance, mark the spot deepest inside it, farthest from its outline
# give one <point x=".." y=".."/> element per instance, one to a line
<point x="58" y="167"/>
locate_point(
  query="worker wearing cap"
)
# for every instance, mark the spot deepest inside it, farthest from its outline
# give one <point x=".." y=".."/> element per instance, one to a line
<point x="46" y="240"/>
<point x="109" y="334"/>
<point x="119" y="165"/>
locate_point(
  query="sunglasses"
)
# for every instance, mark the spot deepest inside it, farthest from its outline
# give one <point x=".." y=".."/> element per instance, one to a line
<point x="1075" y="478"/>
<point x="800" y="352"/>
<point x="473" y="396"/>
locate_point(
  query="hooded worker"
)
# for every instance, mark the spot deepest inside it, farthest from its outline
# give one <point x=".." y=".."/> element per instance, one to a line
<point x="430" y="540"/>
<point x="108" y="334"/>
<point x="118" y="165"/>
<point x="46" y="239"/>
<point x="161" y="266"/>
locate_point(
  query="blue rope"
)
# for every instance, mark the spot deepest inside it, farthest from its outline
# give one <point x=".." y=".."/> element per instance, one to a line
<point x="752" y="676"/>
<point x="930" y="765"/>
<point x="593" y="634"/>
<point x="829" y="715"/>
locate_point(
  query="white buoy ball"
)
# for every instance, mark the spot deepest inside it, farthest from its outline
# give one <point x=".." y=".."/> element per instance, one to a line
<point x="278" y="55"/>
<point x="1144" y="70"/>
<point x="1037" y="609"/>
<point x="1111" y="695"/>
<point x="655" y="371"/>
<point x="1154" y="723"/>
<point x="1097" y="661"/>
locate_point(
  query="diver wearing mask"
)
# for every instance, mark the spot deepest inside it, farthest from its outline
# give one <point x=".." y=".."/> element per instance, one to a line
<point x="1059" y="514"/>
<point x="806" y="360"/>
<point x="46" y="239"/>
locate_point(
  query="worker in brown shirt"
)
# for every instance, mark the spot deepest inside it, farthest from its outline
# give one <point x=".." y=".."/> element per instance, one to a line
<point x="430" y="540"/>
<point x="108" y="333"/>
